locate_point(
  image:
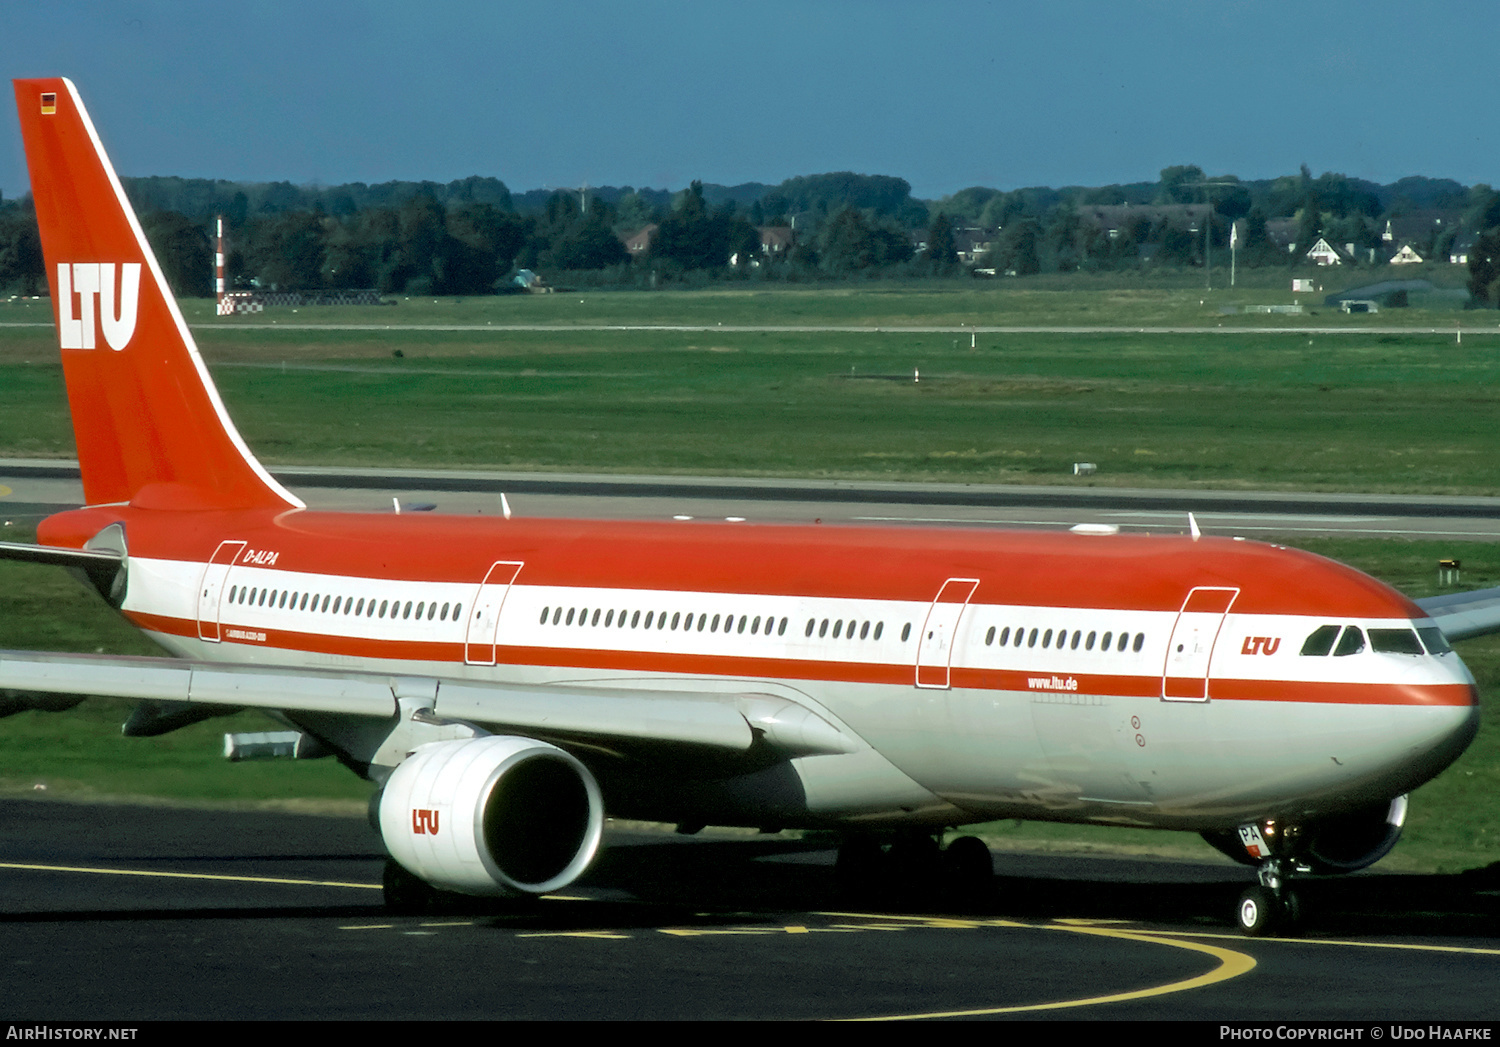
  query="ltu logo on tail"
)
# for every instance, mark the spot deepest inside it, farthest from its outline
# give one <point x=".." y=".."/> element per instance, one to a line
<point x="116" y="289"/>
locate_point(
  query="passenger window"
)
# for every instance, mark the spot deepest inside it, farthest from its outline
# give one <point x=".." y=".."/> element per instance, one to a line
<point x="878" y="627"/>
<point x="906" y="632"/>
<point x="595" y="620"/>
<point x="1352" y="642"/>
<point x="1140" y="641"/>
<point x="1320" y="641"/>
<point x="1088" y="645"/>
<point x="781" y="630"/>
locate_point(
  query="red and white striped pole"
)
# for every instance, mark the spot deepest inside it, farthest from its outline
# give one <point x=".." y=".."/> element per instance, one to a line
<point x="219" y="287"/>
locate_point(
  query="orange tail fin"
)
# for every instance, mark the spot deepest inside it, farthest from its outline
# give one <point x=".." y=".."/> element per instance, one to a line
<point x="150" y="427"/>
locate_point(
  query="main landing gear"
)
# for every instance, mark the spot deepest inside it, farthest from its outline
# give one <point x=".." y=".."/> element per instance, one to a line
<point x="911" y="868"/>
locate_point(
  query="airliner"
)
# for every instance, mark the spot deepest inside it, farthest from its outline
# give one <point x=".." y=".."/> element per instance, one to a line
<point x="506" y="683"/>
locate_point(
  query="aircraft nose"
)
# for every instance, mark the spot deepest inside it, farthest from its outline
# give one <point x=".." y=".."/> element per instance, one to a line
<point x="1442" y="732"/>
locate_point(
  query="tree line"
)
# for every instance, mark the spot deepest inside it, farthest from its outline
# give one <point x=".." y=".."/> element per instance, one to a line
<point x="472" y="235"/>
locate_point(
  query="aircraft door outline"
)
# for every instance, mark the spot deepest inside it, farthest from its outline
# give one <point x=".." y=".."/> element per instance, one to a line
<point x="211" y="589"/>
<point x="1189" y="661"/>
<point x="484" y="619"/>
<point x="935" y="642"/>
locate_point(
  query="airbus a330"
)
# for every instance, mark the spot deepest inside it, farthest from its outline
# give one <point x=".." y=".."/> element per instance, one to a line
<point x="506" y="682"/>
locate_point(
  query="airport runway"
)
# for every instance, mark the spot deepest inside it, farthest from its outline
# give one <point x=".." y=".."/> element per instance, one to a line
<point x="139" y="913"/>
<point x="31" y="489"/>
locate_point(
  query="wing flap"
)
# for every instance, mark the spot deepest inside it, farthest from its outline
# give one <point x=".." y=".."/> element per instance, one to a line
<point x="602" y="713"/>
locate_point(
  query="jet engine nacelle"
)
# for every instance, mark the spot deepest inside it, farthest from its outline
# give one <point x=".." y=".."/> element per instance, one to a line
<point x="1343" y="844"/>
<point x="1353" y="841"/>
<point x="494" y="815"/>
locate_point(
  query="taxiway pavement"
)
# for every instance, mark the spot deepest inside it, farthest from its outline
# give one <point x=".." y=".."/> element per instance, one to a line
<point x="133" y="913"/>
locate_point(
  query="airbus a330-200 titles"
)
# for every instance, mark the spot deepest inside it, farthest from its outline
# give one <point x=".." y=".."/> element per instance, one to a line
<point x="506" y="682"/>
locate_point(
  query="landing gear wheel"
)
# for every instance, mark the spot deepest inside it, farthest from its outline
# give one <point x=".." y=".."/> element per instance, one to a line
<point x="1263" y="913"/>
<point x="969" y="868"/>
<point x="1256" y="913"/>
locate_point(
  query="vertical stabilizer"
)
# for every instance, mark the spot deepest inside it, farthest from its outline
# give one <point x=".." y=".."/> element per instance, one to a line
<point x="149" y="423"/>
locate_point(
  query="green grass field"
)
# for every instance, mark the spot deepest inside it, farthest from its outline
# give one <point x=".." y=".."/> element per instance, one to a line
<point x="1356" y="411"/>
<point x="1404" y="412"/>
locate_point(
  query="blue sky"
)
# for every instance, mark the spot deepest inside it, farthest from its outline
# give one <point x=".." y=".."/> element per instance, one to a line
<point x="658" y="92"/>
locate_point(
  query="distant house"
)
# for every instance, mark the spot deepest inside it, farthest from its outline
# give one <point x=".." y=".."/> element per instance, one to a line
<point x="1406" y="256"/>
<point x="1115" y="219"/>
<point x="531" y="282"/>
<point x="1283" y="233"/>
<point x="775" y="239"/>
<point x="972" y="242"/>
<point x="638" y="244"/>
<point x="1323" y="253"/>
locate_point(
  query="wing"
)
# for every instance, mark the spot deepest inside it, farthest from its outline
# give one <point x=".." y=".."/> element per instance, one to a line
<point x="723" y="722"/>
<point x="1462" y="615"/>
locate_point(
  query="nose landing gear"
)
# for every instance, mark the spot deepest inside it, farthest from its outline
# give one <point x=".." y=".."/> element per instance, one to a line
<point x="1271" y="907"/>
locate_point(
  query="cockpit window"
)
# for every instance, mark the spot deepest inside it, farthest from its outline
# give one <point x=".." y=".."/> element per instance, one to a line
<point x="1352" y="642"/>
<point x="1433" y="637"/>
<point x="1394" y="641"/>
<point x="1321" y="640"/>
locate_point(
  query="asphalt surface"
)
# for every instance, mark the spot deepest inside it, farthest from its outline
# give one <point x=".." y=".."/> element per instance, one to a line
<point x="31" y="489"/>
<point x="142" y="913"/>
